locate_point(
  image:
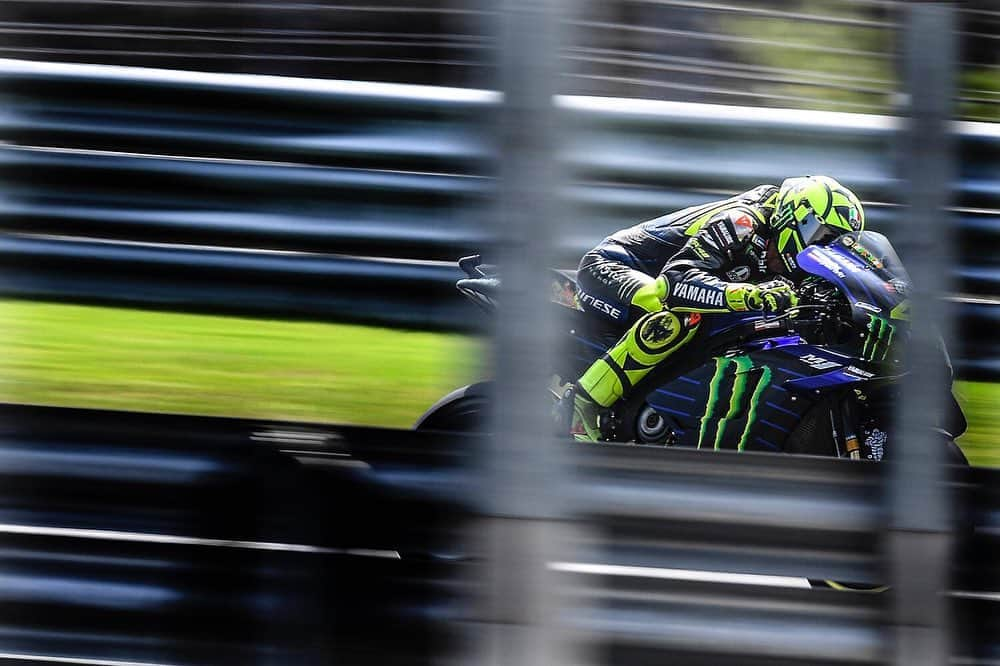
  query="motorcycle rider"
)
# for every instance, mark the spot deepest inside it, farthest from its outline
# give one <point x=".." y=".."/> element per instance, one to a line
<point x="654" y="280"/>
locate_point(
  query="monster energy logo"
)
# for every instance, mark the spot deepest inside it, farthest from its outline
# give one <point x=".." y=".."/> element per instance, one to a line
<point x="880" y="333"/>
<point x="739" y="405"/>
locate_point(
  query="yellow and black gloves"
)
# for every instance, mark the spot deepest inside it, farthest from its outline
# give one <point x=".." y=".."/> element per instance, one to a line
<point x="772" y="296"/>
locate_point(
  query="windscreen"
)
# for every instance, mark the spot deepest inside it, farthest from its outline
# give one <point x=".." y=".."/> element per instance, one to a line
<point x="877" y="252"/>
<point x="864" y="266"/>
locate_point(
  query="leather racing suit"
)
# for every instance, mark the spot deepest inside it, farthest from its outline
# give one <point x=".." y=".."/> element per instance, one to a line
<point x="654" y="279"/>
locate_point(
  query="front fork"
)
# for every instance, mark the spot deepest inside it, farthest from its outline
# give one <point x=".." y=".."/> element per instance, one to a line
<point x="844" y="426"/>
<point x="855" y="436"/>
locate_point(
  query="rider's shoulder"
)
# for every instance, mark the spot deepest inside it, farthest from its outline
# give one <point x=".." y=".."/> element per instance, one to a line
<point x="744" y="219"/>
<point x="730" y="228"/>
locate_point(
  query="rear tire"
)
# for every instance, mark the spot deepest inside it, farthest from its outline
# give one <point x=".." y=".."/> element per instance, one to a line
<point x="463" y="410"/>
<point x="953" y="454"/>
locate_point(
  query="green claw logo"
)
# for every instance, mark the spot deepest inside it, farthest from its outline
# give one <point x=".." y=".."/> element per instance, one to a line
<point x="880" y="335"/>
<point x="740" y="405"/>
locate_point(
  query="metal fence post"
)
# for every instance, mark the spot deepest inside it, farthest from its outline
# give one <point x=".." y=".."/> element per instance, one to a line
<point x="523" y="474"/>
<point x="919" y="537"/>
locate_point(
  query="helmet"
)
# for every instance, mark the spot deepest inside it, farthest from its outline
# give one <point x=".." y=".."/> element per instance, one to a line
<point x="812" y="210"/>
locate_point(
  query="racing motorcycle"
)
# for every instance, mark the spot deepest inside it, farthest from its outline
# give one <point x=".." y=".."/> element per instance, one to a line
<point x="821" y="378"/>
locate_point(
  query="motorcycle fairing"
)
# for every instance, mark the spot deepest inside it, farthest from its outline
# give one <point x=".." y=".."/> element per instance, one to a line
<point x="745" y="402"/>
<point x="836" y="369"/>
<point x="865" y="268"/>
<point x="848" y="374"/>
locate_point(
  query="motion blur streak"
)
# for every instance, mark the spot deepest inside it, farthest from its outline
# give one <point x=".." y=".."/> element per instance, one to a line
<point x="48" y="659"/>
<point x="188" y="541"/>
<point x="680" y="574"/>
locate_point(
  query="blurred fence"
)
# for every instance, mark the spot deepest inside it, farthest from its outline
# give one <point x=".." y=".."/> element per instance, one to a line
<point x="245" y="193"/>
<point x="144" y="539"/>
<point x="823" y="54"/>
<point x="151" y="539"/>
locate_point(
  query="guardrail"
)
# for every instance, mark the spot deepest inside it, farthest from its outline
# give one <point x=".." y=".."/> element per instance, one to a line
<point x="145" y="538"/>
<point x="183" y="189"/>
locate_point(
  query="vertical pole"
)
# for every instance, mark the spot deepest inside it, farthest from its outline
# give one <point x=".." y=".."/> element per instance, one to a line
<point x="522" y="462"/>
<point x="522" y="473"/>
<point x="920" y="510"/>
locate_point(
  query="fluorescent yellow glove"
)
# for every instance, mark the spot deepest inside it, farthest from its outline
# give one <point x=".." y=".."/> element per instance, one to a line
<point x="773" y="296"/>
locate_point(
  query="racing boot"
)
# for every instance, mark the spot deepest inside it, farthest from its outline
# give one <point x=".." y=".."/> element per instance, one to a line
<point x="585" y="426"/>
<point x="651" y="340"/>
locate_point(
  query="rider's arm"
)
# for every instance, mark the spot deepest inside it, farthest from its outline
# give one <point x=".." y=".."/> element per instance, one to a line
<point x="692" y="275"/>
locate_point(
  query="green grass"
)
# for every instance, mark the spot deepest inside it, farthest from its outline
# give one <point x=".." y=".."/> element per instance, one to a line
<point x="113" y="358"/>
<point x="88" y="356"/>
<point x="981" y="443"/>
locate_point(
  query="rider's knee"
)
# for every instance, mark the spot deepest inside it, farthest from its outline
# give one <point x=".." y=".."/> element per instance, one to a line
<point x="659" y="330"/>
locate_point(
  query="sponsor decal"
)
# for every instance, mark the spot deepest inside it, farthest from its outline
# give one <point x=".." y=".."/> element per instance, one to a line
<point x="875" y="443"/>
<point x="695" y="245"/>
<point x="739" y="274"/>
<point x="703" y="295"/>
<point x="725" y="238"/>
<point x="606" y="274"/>
<point x="739" y="402"/>
<point x="765" y="324"/>
<point x="829" y="264"/>
<point x="858" y="372"/>
<point x="868" y="306"/>
<point x="818" y="362"/>
<point x="880" y="334"/>
<point x="895" y="285"/>
<point x="744" y="221"/>
<point x="866" y="254"/>
<point x="757" y="253"/>
<point x="854" y="219"/>
<point x="600" y="306"/>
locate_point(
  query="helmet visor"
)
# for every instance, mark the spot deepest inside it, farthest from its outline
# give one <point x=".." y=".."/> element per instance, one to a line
<point x="812" y="231"/>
